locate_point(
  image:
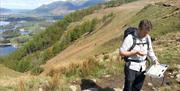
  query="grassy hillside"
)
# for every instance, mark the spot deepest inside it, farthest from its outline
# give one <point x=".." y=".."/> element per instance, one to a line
<point x="21" y="60"/>
<point x="165" y="25"/>
<point x="105" y="60"/>
<point x="53" y="40"/>
<point x="99" y="44"/>
<point x="5" y="72"/>
<point x="166" y="46"/>
<point x="166" y="22"/>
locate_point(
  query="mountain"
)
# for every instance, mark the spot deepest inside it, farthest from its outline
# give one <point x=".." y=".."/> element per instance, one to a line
<point x="80" y="49"/>
<point x="4" y="10"/>
<point x="89" y="3"/>
<point x="64" y="7"/>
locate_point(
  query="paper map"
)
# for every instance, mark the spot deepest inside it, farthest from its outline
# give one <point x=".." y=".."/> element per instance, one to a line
<point x="156" y="71"/>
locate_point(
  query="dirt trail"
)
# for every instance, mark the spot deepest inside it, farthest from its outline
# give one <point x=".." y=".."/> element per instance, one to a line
<point x="82" y="48"/>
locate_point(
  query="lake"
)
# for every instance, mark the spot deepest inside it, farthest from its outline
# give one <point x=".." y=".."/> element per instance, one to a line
<point x="6" y="50"/>
<point x="4" y="23"/>
<point x="1" y="31"/>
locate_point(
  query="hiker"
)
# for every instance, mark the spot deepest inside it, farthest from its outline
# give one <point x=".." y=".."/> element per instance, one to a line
<point x="135" y="48"/>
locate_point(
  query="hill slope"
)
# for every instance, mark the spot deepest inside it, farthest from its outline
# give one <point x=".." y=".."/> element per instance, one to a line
<point x="65" y="7"/>
<point x="83" y="48"/>
<point x="97" y="51"/>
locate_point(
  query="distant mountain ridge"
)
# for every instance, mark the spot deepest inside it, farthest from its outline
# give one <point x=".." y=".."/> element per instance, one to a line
<point x="64" y="7"/>
<point x="4" y="10"/>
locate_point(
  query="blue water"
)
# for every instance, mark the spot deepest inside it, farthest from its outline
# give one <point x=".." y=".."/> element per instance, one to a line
<point x="4" y="23"/>
<point x="1" y="31"/>
<point x="24" y="32"/>
<point x="6" y="50"/>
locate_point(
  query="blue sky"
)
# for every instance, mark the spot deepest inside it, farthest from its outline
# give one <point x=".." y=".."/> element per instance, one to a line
<point x="25" y="4"/>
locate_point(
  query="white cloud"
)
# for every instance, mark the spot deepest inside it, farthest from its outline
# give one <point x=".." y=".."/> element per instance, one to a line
<point x="28" y="4"/>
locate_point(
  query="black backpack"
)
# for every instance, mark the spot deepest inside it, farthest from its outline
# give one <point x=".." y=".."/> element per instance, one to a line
<point x="133" y="32"/>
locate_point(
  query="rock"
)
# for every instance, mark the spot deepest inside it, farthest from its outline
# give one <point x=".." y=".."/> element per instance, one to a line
<point x="118" y="89"/>
<point x="178" y="77"/>
<point x="169" y="73"/>
<point x="107" y="76"/>
<point x="150" y="84"/>
<point x="91" y="89"/>
<point x="73" y="88"/>
<point x="94" y="80"/>
<point x="178" y="66"/>
<point x="172" y="77"/>
<point x="175" y="72"/>
<point x="154" y="88"/>
<point x="40" y="89"/>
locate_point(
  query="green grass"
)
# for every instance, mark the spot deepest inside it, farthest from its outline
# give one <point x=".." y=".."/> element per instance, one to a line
<point x="2" y="88"/>
<point x="165" y="30"/>
<point x="61" y="79"/>
<point x="161" y="29"/>
<point x="6" y="72"/>
<point x="49" y="41"/>
<point x="155" y="14"/>
<point x="109" y="46"/>
<point x="167" y="48"/>
<point x="165" y="35"/>
<point x="115" y="3"/>
<point x="169" y="53"/>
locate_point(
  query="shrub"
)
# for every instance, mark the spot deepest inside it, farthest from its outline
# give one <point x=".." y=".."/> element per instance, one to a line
<point x="36" y="70"/>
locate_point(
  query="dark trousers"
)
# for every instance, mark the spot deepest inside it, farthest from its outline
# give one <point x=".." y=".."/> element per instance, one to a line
<point x="133" y="79"/>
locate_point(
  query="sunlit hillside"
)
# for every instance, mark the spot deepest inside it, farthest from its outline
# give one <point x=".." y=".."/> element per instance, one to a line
<point x="84" y="47"/>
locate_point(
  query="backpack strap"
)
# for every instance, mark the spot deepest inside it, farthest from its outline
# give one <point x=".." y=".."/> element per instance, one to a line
<point x="147" y="59"/>
<point x="147" y="40"/>
<point x="134" y="43"/>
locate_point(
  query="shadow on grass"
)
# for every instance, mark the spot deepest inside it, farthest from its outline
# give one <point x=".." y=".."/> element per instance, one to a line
<point x="87" y="84"/>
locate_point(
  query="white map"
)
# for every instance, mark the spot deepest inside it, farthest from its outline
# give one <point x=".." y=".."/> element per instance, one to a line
<point x="156" y="71"/>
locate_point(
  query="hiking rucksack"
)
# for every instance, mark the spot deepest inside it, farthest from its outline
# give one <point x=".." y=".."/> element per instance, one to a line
<point x="133" y="31"/>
